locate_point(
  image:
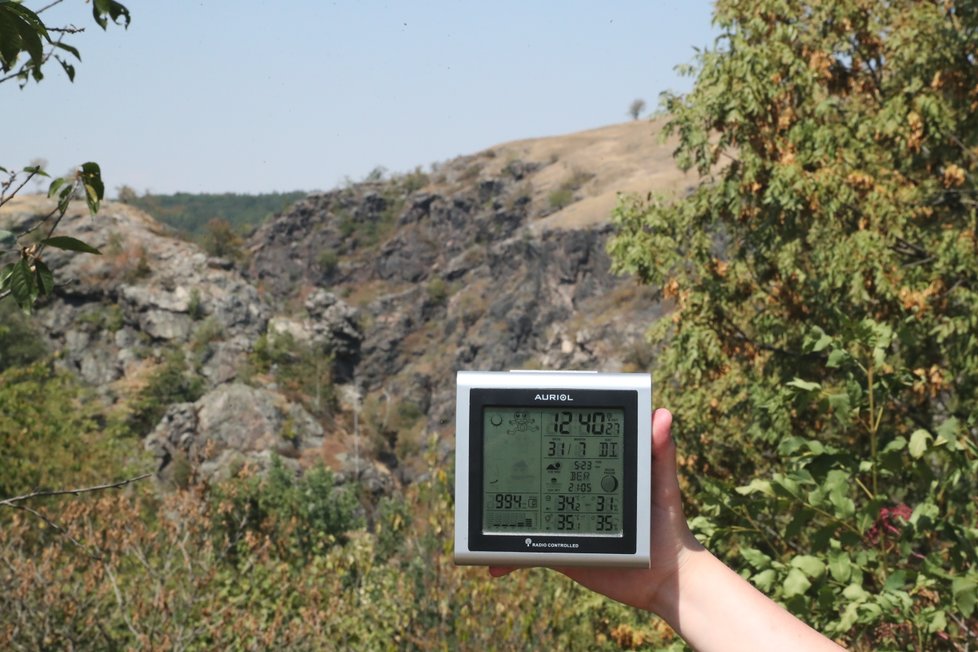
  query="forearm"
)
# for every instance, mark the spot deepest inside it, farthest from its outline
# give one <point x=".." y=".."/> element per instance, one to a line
<point x="713" y="608"/>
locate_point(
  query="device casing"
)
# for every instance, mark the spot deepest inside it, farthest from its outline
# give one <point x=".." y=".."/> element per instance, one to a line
<point x="553" y="382"/>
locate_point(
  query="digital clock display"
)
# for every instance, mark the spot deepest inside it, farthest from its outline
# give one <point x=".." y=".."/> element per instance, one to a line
<point x="553" y="470"/>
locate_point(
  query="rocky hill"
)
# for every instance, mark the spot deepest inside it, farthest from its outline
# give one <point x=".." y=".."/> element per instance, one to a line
<point x="338" y="332"/>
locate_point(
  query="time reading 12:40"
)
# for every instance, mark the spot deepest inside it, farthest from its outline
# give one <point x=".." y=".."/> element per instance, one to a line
<point x="592" y="423"/>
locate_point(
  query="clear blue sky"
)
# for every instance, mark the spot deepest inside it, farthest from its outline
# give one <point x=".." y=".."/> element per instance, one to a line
<point x="252" y="96"/>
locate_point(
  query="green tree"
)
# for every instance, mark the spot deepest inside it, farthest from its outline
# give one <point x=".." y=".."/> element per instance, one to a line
<point x="52" y="433"/>
<point x="26" y="46"/>
<point x="635" y="108"/>
<point x="220" y="239"/>
<point x="126" y="194"/>
<point x="822" y="356"/>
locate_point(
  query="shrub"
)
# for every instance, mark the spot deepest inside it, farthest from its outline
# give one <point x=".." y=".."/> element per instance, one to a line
<point x="560" y="198"/>
<point x="328" y="262"/>
<point x="304" y="371"/>
<point x="194" y="306"/>
<point x="220" y="239"/>
<point x="821" y="359"/>
<point x="301" y="515"/>
<point x="20" y="343"/>
<point x="437" y="291"/>
<point x="52" y="434"/>
<point x="171" y="382"/>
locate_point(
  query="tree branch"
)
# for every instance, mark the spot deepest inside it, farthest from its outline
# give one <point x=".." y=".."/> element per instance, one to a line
<point x="24" y="70"/>
<point x="4" y="198"/>
<point x="13" y="502"/>
<point x="46" y="7"/>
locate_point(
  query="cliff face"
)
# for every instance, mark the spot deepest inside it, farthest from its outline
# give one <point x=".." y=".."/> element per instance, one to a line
<point x="493" y="261"/>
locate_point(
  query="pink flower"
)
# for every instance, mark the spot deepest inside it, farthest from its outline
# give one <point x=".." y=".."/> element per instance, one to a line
<point x="889" y="522"/>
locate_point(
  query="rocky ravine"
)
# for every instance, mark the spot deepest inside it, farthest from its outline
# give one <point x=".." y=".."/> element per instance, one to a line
<point x="479" y="265"/>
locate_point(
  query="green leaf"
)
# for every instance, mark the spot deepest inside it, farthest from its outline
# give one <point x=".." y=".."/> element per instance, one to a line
<point x="844" y="506"/>
<point x="44" y="277"/>
<point x="938" y="622"/>
<point x="896" y="580"/>
<point x="836" y="358"/>
<point x="965" y="590"/>
<point x="756" y="485"/>
<point x="837" y="480"/>
<point x="68" y="48"/>
<point x="67" y="67"/>
<point x="811" y="566"/>
<point x="755" y="558"/>
<point x="947" y="431"/>
<point x="897" y="444"/>
<point x="7" y="238"/>
<point x="795" y="583"/>
<point x="855" y="592"/>
<point x="765" y="579"/>
<point x="849" y="617"/>
<point x="918" y="443"/>
<point x="927" y="511"/>
<point x="21" y="30"/>
<point x="112" y="9"/>
<point x="840" y="566"/>
<point x="804" y="385"/>
<point x="5" y="275"/>
<point x="840" y="404"/>
<point x="22" y="286"/>
<point x="822" y="342"/>
<point x="70" y="244"/>
<point x="91" y="178"/>
<point x="56" y="185"/>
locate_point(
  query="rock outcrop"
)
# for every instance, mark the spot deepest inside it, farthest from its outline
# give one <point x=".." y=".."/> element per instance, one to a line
<point x="469" y="270"/>
<point x="492" y="261"/>
<point x="232" y="425"/>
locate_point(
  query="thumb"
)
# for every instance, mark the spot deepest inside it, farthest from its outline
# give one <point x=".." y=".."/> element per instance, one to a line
<point x="665" y="476"/>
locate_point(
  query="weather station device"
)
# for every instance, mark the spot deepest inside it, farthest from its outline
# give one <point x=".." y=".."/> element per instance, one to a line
<point x="553" y="468"/>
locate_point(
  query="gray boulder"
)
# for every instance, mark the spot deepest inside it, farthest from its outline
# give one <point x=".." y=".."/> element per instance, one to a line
<point x="231" y="424"/>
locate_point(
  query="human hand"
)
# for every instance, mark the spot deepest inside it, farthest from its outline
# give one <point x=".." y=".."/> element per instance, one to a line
<point x="707" y="603"/>
<point x="672" y="542"/>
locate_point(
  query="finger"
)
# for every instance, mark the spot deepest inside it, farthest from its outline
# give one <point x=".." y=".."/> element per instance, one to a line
<point x="499" y="571"/>
<point x="661" y="430"/>
<point x="665" y="479"/>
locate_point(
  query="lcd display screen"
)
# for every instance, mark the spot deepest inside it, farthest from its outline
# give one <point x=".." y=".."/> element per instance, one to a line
<point x="553" y="470"/>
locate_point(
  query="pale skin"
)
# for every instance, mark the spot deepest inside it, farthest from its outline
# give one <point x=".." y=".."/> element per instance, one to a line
<point x="706" y="602"/>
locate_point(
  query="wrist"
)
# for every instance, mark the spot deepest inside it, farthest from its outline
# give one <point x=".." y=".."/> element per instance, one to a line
<point x="691" y="562"/>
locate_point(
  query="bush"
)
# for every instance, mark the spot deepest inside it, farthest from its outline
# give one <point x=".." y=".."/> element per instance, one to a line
<point x="299" y="516"/>
<point x="328" y="261"/>
<point x="560" y="198"/>
<point x="171" y="382"/>
<point x="304" y="371"/>
<point x="272" y="563"/>
<point x="53" y="434"/>
<point x="821" y="360"/>
<point x="437" y="291"/>
<point x="20" y="343"/>
<point x="220" y="240"/>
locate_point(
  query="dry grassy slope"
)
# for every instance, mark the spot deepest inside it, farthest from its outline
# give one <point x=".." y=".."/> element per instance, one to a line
<point x="624" y="158"/>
